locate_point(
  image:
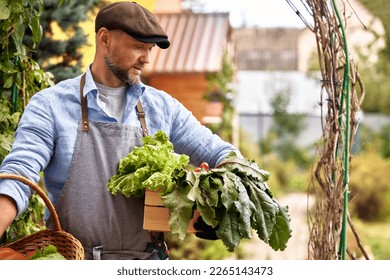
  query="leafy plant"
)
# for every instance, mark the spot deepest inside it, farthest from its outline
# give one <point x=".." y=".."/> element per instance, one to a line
<point x="20" y="78"/>
<point x="193" y="248"/>
<point x="29" y="222"/>
<point x="48" y="253"/>
<point x="8" y="124"/>
<point x="284" y="131"/>
<point x="370" y="187"/>
<point x="376" y="76"/>
<point x="234" y="197"/>
<point x="20" y="75"/>
<point x="150" y="166"/>
<point x="220" y="89"/>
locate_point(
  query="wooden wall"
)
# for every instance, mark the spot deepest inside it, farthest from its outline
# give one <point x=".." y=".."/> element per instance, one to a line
<point x="189" y="89"/>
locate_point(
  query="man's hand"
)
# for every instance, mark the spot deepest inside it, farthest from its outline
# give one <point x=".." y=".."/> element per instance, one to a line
<point x="8" y="212"/>
<point x="205" y="231"/>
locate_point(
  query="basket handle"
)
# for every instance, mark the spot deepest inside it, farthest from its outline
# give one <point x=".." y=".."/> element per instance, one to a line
<point x="39" y="191"/>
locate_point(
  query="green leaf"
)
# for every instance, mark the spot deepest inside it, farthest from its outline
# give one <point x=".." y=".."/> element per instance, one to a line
<point x="18" y="35"/>
<point x="244" y="166"/>
<point x="235" y="224"/>
<point x="8" y="82"/>
<point x="5" y="143"/>
<point x="264" y="217"/>
<point x="228" y="230"/>
<point x="48" y="253"/>
<point x="180" y="210"/>
<point x="127" y="185"/>
<point x="208" y="214"/>
<point x="245" y="209"/>
<point x="4" y="10"/>
<point x="205" y="191"/>
<point x="229" y="192"/>
<point x="36" y="29"/>
<point x="16" y="7"/>
<point x="282" y="231"/>
<point x="194" y="193"/>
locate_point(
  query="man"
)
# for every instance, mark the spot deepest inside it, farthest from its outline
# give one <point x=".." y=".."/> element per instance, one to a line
<point x="78" y="130"/>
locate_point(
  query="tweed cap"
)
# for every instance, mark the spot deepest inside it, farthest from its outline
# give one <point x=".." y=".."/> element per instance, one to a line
<point x="133" y="19"/>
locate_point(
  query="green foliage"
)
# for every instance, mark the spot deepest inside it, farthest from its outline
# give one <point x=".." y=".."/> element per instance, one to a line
<point x="380" y="8"/>
<point x="193" y="248"/>
<point x="375" y="77"/>
<point x="151" y="166"/>
<point x="284" y="124"/>
<point x="20" y="78"/>
<point x="220" y="89"/>
<point x="384" y="136"/>
<point x="283" y="133"/>
<point x="375" y="142"/>
<point x="8" y="124"/>
<point x="48" y="253"/>
<point x="370" y="187"/>
<point x="234" y="196"/>
<point x="377" y="85"/>
<point x="286" y="175"/>
<point x="376" y="235"/>
<point x="29" y="222"/>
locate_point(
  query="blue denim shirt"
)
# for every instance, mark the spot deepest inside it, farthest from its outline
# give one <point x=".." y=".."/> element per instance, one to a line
<point x="46" y="135"/>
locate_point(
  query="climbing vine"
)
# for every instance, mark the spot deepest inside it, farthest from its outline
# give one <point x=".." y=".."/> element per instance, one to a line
<point x="20" y="78"/>
<point x="342" y="93"/>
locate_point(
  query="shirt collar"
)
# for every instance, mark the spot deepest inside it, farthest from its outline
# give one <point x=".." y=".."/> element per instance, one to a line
<point x="89" y="82"/>
<point x="137" y="89"/>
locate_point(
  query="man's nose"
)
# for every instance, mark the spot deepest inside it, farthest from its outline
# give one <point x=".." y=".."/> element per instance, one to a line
<point x="145" y="58"/>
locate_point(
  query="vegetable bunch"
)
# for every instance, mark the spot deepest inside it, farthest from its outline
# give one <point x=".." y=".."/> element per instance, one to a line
<point x="47" y="253"/>
<point x="234" y="197"/>
<point x="150" y="166"/>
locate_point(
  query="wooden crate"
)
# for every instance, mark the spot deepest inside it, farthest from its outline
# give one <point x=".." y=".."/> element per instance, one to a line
<point x="156" y="216"/>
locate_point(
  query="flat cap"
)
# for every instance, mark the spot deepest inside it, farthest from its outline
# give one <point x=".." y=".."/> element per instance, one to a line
<point x="133" y="19"/>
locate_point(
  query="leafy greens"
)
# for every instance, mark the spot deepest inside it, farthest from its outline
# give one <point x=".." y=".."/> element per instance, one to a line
<point x="233" y="197"/>
<point x="149" y="166"/>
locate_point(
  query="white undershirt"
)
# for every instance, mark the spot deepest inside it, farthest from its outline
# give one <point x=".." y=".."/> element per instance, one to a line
<point x="113" y="99"/>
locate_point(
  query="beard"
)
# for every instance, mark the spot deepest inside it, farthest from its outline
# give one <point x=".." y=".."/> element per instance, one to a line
<point x="119" y="73"/>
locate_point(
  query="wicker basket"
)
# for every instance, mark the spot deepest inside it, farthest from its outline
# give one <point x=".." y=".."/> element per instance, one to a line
<point x="67" y="245"/>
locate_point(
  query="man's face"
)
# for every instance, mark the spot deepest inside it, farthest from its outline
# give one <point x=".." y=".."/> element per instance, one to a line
<point x="126" y="57"/>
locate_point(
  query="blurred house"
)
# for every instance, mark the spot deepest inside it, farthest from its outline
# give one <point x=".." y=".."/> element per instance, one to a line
<point x="198" y="44"/>
<point x="274" y="61"/>
<point x="269" y="64"/>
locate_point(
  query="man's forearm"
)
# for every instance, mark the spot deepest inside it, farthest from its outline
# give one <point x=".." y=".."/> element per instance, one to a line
<point x="8" y="212"/>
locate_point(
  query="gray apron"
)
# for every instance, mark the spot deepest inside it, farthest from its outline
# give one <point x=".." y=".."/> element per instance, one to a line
<point x="108" y="226"/>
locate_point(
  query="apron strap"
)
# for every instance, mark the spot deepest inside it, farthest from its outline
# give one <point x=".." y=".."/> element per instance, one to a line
<point x="141" y="117"/>
<point x="84" y="111"/>
<point x="84" y="107"/>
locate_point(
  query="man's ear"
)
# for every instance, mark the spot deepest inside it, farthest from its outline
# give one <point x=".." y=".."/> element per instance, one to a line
<point x="103" y="36"/>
